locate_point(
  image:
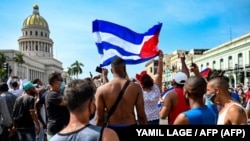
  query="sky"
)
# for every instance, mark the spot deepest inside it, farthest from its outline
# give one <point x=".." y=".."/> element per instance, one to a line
<point x="187" y="24"/>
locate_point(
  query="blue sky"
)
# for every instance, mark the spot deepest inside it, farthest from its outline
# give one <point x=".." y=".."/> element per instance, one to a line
<point x="187" y="24"/>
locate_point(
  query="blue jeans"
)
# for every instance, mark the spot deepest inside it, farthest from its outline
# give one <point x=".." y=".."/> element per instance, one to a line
<point x="40" y="136"/>
<point x="27" y="134"/>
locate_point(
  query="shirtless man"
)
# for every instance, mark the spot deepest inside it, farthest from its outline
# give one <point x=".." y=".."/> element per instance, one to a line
<point x="107" y="94"/>
<point x="231" y="113"/>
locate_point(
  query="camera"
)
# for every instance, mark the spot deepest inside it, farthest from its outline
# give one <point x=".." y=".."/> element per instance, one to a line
<point x="98" y="69"/>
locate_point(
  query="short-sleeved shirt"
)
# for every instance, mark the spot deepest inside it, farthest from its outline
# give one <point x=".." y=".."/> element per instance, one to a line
<point x="87" y="133"/>
<point x="21" y="111"/>
<point x="10" y="100"/>
<point x="4" y="114"/>
<point x="57" y="115"/>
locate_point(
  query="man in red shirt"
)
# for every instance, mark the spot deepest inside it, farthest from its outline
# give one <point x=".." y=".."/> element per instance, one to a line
<point x="174" y="102"/>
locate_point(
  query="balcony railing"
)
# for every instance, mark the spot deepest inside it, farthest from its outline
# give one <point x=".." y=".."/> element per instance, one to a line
<point x="247" y="65"/>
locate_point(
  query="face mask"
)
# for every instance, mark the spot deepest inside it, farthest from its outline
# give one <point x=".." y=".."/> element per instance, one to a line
<point x="210" y="96"/>
<point x="62" y="86"/>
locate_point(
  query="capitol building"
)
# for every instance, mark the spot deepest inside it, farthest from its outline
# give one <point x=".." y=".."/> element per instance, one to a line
<point x="37" y="48"/>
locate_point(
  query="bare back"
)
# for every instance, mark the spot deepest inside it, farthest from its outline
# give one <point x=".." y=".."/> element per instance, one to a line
<point x="106" y="96"/>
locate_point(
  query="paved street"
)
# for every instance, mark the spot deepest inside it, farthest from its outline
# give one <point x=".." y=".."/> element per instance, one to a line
<point x="164" y="121"/>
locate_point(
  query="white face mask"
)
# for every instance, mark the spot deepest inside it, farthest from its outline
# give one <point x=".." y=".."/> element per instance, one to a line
<point x="62" y="86"/>
<point x="210" y="96"/>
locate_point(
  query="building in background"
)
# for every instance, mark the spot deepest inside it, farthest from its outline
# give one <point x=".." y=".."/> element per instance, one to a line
<point x="37" y="48"/>
<point x="232" y="56"/>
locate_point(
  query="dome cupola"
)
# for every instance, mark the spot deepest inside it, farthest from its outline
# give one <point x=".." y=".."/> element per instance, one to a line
<point x="35" y="19"/>
<point x="35" y="40"/>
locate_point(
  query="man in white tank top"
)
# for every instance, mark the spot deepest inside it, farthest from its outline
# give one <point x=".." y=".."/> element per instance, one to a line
<point x="231" y="112"/>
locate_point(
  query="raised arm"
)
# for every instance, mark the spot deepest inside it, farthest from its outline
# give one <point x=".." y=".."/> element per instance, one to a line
<point x="20" y="82"/>
<point x="194" y="68"/>
<point x="105" y="75"/>
<point x="8" y="82"/>
<point x="184" y="67"/>
<point x="158" y="79"/>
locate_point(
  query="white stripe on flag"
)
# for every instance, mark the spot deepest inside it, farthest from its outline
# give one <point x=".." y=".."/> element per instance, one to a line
<point x="114" y="40"/>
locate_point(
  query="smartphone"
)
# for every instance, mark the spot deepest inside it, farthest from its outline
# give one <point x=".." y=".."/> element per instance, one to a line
<point x="98" y="69"/>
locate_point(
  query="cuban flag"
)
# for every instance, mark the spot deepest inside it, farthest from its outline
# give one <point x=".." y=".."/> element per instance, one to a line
<point x="164" y="94"/>
<point x="204" y="73"/>
<point x="116" y="40"/>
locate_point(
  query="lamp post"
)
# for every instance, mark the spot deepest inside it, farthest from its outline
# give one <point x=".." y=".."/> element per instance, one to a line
<point x="236" y="73"/>
<point x="168" y="76"/>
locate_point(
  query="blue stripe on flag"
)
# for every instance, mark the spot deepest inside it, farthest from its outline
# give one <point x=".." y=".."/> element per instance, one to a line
<point x="115" y="40"/>
<point x="127" y="61"/>
<point x="164" y="94"/>
<point x="124" y="32"/>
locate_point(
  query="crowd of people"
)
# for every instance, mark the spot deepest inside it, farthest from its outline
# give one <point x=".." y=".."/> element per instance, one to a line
<point x="85" y="110"/>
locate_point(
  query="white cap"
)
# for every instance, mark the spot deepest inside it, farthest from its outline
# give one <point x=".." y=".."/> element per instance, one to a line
<point x="180" y="78"/>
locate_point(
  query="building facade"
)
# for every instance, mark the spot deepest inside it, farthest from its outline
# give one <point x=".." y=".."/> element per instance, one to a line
<point x="37" y="47"/>
<point x="233" y="57"/>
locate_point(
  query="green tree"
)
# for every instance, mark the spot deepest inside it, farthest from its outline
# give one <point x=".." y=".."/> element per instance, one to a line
<point x="19" y="60"/>
<point x="77" y="68"/>
<point x="3" y="72"/>
<point x="70" y="71"/>
<point x="2" y="59"/>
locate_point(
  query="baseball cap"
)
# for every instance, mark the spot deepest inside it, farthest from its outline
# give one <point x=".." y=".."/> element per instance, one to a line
<point x="180" y="78"/>
<point x="28" y="85"/>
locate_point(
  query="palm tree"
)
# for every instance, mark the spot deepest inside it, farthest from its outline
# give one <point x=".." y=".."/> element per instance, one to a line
<point x="19" y="60"/>
<point x="77" y="68"/>
<point x="70" y="71"/>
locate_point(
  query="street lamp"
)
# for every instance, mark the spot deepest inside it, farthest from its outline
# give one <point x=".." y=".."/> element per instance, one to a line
<point x="237" y="73"/>
<point x="168" y="76"/>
